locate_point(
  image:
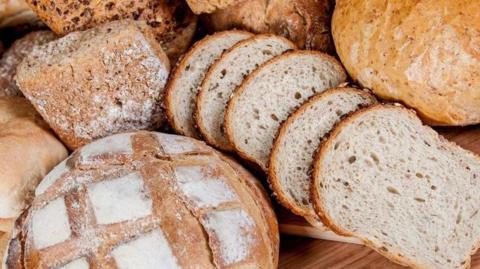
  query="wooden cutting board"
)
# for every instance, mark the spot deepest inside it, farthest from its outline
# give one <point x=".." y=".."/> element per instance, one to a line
<point x="308" y="253"/>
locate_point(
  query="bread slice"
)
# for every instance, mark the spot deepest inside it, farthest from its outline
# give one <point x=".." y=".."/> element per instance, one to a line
<point x="299" y="137"/>
<point x="225" y="75"/>
<point x="411" y="195"/>
<point x="268" y="96"/>
<point x="183" y="86"/>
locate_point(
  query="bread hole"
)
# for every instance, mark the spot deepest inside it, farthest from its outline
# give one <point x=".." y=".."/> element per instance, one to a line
<point x="305" y="201"/>
<point x="474" y="214"/>
<point x="392" y="190"/>
<point x="329" y="103"/>
<point x="433" y="187"/>
<point x="336" y="146"/>
<point x="220" y="95"/>
<point x="261" y="126"/>
<point x="314" y="69"/>
<point x="459" y="218"/>
<point x="420" y="200"/>
<point x="309" y="141"/>
<point x="352" y="159"/>
<point x="426" y="143"/>
<point x="419" y="175"/>
<point x="346" y="184"/>
<point x="313" y="90"/>
<point x="223" y="72"/>
<point x="339" y="113"/>
<point x="298" y="95"/>
<point x="345" y="207"/>
<point x="436" y="249"/>
<point x="274" y="117"/>
<point x="267" y="52"/>
<point x="118" y="102"/>
<point x="384" y="233"/>
<point x="375" y="158"/>
<point x="246" y="141"/>
<point x="449" y="261"/>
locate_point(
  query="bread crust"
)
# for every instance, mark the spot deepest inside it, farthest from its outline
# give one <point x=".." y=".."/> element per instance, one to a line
<point x="171" y="87"/>
<point x="209" y="6"/>
<point x="415" y="53"/>
<point x="228" y="125"/>
<point x="322" y="212"/>
<point x="273" y="177"/>
<point x="201" y="93"/>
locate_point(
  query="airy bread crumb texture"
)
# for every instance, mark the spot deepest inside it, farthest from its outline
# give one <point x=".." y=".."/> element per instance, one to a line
<point x="410" y="194"/>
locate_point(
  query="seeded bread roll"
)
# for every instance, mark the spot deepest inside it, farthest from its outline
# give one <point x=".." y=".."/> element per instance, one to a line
<point x="98" y="82"/>
<point x="422" y="53"/>
<point x="300" y="136"/>
<point x="270" y="94"/>
<point x="225" y="75"/>
<point x="173" y="22"/>
<point x="147" y="200"/>
<point x="14" y="56"/>
<point x="187" y="76"/>
<point x="411" y="195"/>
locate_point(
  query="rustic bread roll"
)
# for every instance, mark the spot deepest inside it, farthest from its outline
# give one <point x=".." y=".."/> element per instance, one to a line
<point x="300" y="136"/>
<point x="28" y="151"/>
<point x="411" y="195"/>
<point x="188" y="75"/>
<point x="98" y="82"/>
<point x="209" y="6"/>
<point x="14" y="56"/>
<point x="270" y="94"/>
<point x="305" y="22"/>
<point x="15" y="12"/>
<point x="415" y="52"/>
<point x="225" y="75"/>
<point x="147" y="200"/>
<point x="173" y="22"/>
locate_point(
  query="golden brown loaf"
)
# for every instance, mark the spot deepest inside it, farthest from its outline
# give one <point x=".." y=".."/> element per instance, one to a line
<point x="305" y="22"/>
<point x="209" y="6"/>
<point x="173" y="22"/>
<point x="99" y="82"/>
<point x="147" y="200"/>
<point x="14" y="56"/>
<point x="28" y="151"/>
<point x="423" y="53"/>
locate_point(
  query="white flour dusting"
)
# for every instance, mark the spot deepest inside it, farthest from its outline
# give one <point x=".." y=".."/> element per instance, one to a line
<point x="173" y="144"/>
<point x="52" y="177"/>
<point x="116" y="144"/>
<point x="77" y="264"/>
<point x="50" y="224"/>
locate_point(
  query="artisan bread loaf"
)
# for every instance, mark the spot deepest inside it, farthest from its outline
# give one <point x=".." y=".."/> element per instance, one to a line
<point x="406" y="191"/>
<point x="209" y="6"/>
<point x="169" y="19"/>
<point x="270" y="94"/>
<point x="305" y="22"/>
<point x="28" y="151"/>
<point x="98" y="82"/>
<point x="416" y="53"/>
<point x="185" y="80"/>
<point x="14" y="56"/>
<point x="147" y="200"/>
<point x="225" y="75"/>
<point x="299" y="137"/>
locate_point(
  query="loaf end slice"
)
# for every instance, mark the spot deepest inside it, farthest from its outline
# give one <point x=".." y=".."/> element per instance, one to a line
<point x="270" y="94"/>
<point x="411" y="195"/>
<point x="299" y="137"/>
<point x="185" y="80"/>
<point x="225" y="75"/>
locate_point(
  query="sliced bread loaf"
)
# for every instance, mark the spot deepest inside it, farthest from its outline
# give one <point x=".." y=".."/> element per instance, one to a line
<point x="225" y="75"/>
<point x="299" y="137"/>
<point x="411" y="195"/>
<point x="185" y="80"/>
<point x="270" y="94"/>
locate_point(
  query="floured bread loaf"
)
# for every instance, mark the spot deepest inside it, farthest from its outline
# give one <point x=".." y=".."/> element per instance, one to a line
<point x="270" y="94"/>
<point x="411" y="195"/>
<point x="95" y="83"/>
<point x="147" y="200"/>
<point x="299" y="137"/>
<point x="28" y="151"/>
<point x="185" y="80"/>
<point x="14" y="56"/>
<point x="225" y="75"/>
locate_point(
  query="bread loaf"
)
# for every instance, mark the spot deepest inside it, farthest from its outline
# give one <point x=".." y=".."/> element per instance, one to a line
<point x="209" y="6"/>
<point x="187" y="76"/>
<point x="147" y="200"/>
<point x="270" y="94"/>
<point x="299" y="137"/>
<point x="305" y="22"/>
<point x="422" y="53"/>
<point x="225" y="75"/>
<point x="14" y="56"/>
<point x="173" y="22"/>
<point x="411" y="195"/>
<point x="28" y="151"/>
<point x="98" y="82"/>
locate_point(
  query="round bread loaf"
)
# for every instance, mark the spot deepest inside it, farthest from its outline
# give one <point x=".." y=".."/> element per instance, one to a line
<point x="305" y="22"/>
<point x="147" y="200"/>
<point x="424" y="53"/>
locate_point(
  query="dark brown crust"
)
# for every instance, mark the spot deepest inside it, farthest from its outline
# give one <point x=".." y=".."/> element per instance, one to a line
<point x="273" y="178"/>
<point x="171" y="88"/>
<point x="228" y="128"/>
<point x="322" y="212"/>
<point x="202" y="91"/>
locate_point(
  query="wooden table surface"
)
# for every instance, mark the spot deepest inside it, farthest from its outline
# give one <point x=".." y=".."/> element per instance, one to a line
<point x="304" y="253"/>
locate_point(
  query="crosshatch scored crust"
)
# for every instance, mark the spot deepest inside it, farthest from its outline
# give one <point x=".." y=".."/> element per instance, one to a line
<point x="170" y="182"/>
